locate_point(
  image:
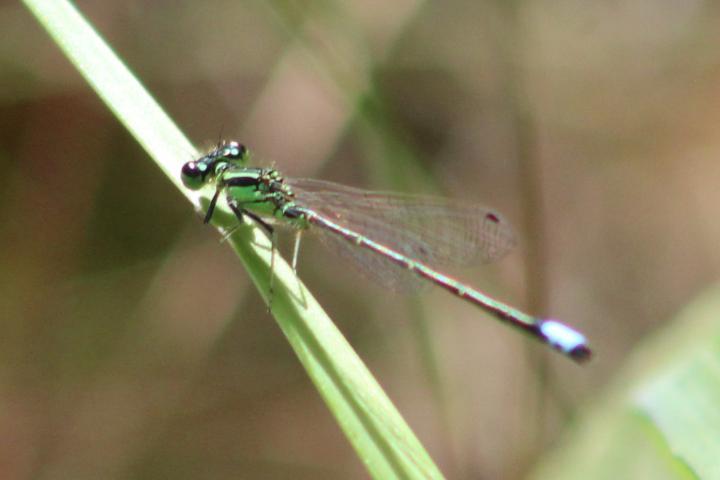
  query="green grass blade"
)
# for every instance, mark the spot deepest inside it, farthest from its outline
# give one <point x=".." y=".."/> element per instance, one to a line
<point x="115" y="84"/>
<point x="376" y="430"/>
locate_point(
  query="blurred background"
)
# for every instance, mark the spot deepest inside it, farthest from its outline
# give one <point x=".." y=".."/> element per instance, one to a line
<point x="133" y="344"/>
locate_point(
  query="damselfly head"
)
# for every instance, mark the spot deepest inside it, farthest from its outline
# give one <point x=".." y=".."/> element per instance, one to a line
<point x="196" y="173"/>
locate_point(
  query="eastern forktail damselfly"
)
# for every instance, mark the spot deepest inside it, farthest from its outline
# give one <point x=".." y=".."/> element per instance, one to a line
<point x="398" y="239"/>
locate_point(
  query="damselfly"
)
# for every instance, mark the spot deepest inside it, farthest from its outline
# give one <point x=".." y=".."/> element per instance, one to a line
<point x="399" y="239"/>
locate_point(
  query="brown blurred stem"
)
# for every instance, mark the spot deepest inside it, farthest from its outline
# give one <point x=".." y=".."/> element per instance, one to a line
<point x="529" y="174"/>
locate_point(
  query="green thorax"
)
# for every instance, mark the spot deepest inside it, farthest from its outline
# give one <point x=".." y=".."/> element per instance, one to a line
<point x="260" y="190"/>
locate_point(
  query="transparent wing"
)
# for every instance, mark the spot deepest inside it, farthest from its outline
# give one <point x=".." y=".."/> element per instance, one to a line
<point x="374" y="267"/>
<point x="432" y="230"/>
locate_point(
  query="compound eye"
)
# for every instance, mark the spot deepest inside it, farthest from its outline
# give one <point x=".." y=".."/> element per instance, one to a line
<point x="193" y="175"/>
<point x="235" y="151"/>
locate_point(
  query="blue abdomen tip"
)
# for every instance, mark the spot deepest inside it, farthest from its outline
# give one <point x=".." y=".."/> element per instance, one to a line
<point x="565" y="339"/>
